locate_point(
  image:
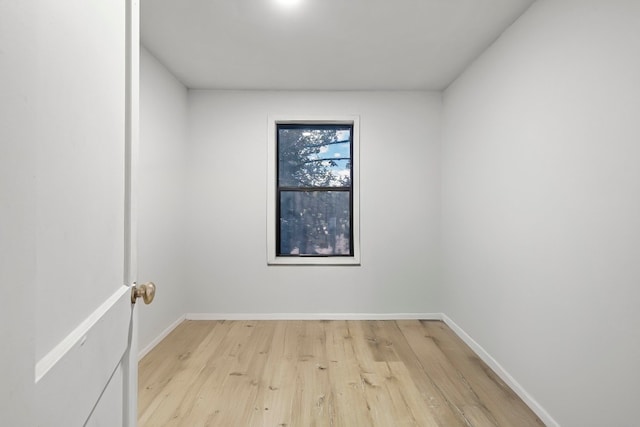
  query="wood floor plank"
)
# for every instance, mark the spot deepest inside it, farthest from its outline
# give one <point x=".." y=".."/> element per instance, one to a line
<point x="496" y="396"/>
<point x="444" y="413"/>
<point x="438" y="367"/>
<point x="344" y="375"/>
<point x="313" y="402"/>
<point x="224" y="392"/>
<point x="272" y="404"/>
<point x="372" y="375"/>
<point x="169" y="356"/>
<point x="380" y="344"/>
<point x="155" y="413"/>
<point x="235" y="400"/>
<point x="192" y="388"/>
<point x="321" y="373"/>
<point x="402" y="385"/>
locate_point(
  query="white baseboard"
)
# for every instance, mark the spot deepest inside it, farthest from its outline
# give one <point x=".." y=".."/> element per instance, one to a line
<point x="502" y="373"/>
<point x="142" y="353"/>
<point x="313" y="316"/>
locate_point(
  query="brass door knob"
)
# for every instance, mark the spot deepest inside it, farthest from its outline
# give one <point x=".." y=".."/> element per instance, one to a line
<point x="147" y="291"/>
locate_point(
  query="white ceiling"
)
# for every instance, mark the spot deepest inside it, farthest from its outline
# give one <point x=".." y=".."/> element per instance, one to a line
<point x="322" y="44"/>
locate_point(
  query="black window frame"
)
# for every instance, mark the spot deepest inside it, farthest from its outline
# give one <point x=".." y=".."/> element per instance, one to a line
<point x="279" y="189"/>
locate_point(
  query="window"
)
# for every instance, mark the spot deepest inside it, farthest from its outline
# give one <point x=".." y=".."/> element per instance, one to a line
<point x="313" y="197"/>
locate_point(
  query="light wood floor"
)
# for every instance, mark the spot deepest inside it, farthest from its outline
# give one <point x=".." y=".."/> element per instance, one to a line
<point x="322" y="373"/>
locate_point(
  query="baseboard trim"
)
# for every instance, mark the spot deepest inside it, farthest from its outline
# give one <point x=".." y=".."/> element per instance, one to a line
<point x="313" y="316"/>
<point x="142" y="353"/>
<point x="502" y="373"/>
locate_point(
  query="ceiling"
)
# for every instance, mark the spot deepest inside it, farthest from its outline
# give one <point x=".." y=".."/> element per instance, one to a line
<point x="322" y="44"/>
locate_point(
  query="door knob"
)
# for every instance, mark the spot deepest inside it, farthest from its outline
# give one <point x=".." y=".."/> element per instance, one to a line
<point x="147" y="291"/>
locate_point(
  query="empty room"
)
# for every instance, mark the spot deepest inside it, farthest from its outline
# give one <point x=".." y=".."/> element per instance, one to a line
<point x="338" y="213"/>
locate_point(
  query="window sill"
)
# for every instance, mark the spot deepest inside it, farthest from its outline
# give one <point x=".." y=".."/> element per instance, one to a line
<point x="312" y="260"/>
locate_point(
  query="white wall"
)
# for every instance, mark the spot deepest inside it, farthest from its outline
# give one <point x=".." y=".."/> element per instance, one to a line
<point x="17" y="211"/>
<point x="541" y="207"/>
<point x="163" y="136"/>
<point x="399" y="204"/>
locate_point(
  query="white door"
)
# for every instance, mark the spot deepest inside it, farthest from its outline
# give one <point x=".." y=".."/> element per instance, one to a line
<point x="86" y="125"/>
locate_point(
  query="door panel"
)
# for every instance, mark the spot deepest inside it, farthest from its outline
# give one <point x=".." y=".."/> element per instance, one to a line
<point x="71" y="379"/>
<point x="80" y="162"/>
<point x="86" y="133"/>
<point x="17" y="211"/>
<point x="108" y="412"/>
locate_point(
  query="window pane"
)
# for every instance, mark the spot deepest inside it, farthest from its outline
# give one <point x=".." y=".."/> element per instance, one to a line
<point x="314" y="156"/>
<point x="314" y="223"/>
